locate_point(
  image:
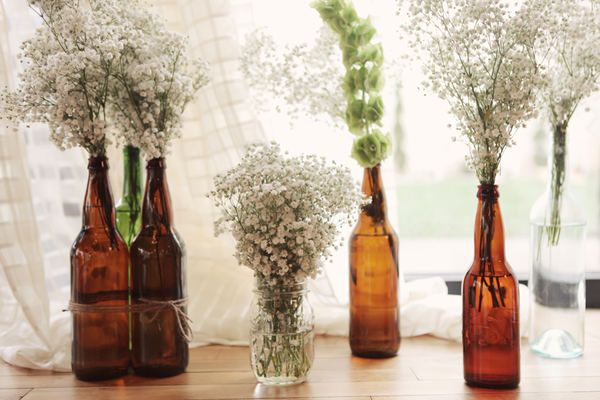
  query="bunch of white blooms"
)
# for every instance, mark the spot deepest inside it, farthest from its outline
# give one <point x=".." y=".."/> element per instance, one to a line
<point x="476" y="57"/>
<point x="66" y="77"/>
<point x="568" y="48"/>
<point x="307" y="78"/>
<point x="154" y="81"/>
<point x="284" y="212"/>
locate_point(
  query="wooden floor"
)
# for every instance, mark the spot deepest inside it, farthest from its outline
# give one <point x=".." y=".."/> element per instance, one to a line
<point x="426" y="368"/>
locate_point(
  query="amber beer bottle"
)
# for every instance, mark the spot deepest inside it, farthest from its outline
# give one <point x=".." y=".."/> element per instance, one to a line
<point x="491" y="341"/>
<point x="99" y="265"/>
<point x="374" y="310"/>
<point x="158" y="274"/>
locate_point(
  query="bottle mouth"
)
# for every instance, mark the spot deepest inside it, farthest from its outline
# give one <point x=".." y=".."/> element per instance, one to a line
<point x="96" y="163"/>
<point x="156" y="163"/>
<point x="487" y="191"/>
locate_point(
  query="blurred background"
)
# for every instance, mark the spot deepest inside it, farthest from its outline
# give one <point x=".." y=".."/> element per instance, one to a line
<point x="430" y="190"/>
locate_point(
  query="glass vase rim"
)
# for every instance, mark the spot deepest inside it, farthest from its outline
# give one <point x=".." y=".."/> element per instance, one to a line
<point x="297" y="288"/>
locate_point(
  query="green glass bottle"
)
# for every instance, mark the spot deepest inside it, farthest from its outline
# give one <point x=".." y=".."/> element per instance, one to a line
<point x="129" y="215"/>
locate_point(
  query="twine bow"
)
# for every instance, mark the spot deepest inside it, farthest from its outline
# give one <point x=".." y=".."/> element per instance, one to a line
<point x="184" y="323"/>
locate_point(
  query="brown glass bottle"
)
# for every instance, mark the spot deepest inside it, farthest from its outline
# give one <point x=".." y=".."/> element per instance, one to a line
<point x="374" y="309"/>
<point x="491" y="341"/>
<point x="99" y="264"/>
<point x="157" y="274"/>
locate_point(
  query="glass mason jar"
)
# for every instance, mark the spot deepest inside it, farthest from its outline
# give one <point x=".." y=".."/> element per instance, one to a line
<point x="374" y="309"/>
<point x="281" y="334"/>
<point x="490" y="293"/>
<point x="557" y="275"/>
<point x="129" y="207"/>
<point x="99" y="269"/>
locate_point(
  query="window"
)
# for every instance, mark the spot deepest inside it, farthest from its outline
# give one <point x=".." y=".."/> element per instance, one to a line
<point x="432" y="193"/>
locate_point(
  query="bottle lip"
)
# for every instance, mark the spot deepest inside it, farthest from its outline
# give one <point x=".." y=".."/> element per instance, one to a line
<point x="487" y="190"/>
<point x="156" y="163"/>
<point x="97" y="163"/>
<point x="132" y="150"/>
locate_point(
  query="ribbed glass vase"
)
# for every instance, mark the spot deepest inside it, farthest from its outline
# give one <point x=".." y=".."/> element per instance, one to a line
<point x="281" y="334"/>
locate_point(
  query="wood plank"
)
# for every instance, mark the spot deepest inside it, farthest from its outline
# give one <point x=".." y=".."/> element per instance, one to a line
<point x="534" y="387"/>
<point x="204" y="378"/>
<point x="501" y="396"/>
<point x="426" y="368"/>
<point x="13" y="394"/>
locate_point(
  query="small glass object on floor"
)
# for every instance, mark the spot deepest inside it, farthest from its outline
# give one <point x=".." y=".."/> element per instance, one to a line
<point x="557" y="278"/>
<point x="281" y="334"/>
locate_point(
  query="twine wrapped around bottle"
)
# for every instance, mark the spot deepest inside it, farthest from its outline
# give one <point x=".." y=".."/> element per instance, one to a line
<point x="155" y="307"/>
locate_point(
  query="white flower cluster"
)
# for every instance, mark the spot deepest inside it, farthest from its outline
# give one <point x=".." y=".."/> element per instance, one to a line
<point x="477" y="58"/>
<point x="105" y="63"/>
<point x="284" y="212"/>
<point x="67" y="72"/>
<point x="306" y="78"/>
<point x="568" y="49"/>
<point x="154" y="82"/>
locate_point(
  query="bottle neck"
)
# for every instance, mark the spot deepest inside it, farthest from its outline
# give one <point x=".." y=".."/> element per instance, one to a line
<point x="372" y="187"/>
<point x="132" y="174"/>
<point x="489" y="232"/>
<point x="156" y="208"/>
<point x="98" y="208"/>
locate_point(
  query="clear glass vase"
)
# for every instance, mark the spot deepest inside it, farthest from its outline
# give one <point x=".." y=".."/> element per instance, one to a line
<point x="557" y="278"/>
<point x="281" y="334"/>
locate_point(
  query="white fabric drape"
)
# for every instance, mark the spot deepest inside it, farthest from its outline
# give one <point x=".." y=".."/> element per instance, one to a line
<point x="41" y="191"/>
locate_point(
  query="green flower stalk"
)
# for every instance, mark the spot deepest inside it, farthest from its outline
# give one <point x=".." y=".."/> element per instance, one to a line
<point x="363" y="60"/>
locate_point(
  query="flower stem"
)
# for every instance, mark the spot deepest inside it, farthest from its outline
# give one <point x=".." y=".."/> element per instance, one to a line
<point x="559" y="153"/>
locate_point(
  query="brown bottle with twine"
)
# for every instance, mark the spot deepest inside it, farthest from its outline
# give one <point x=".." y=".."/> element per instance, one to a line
<point x="160" y="332"/>
<point x="491" y="340"/>
<point x="374" y="310"/>
<point x="99" y="293"/>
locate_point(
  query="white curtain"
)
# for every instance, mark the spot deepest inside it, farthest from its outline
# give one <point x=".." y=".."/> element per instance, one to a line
<point x="41" y="190"/>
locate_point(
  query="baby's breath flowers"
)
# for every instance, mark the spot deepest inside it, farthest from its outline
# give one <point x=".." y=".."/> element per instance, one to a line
<point x="312" y="82"/>
<point x="306" y="78"/>
<point x="363" y="60"/>
<point x="108" y="61"/>
<point x="154" y="80"/>
<point x="568" y="49"/>
<point x="67" y="72"/>
<point x="476" y="57"/>
<point x="284" y="212"/>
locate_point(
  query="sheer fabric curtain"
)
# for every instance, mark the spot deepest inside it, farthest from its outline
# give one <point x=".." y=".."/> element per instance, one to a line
<point x="41" y="190"/>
